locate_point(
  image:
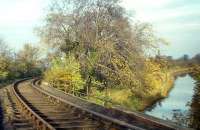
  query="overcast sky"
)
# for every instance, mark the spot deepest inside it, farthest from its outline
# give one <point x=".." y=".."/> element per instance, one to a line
<point x="178" y="21"/>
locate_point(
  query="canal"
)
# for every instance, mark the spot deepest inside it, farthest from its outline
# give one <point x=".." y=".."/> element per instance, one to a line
<point x="182" y="105"/>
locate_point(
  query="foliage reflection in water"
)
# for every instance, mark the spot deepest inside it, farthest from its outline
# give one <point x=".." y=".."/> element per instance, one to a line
<point x="182" y="106"/>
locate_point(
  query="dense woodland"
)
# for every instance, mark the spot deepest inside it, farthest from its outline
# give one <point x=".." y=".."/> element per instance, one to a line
<point x="94" y="47"/>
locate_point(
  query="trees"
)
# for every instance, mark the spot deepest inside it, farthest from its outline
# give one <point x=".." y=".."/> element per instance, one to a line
<point x="98" y="32"/>
<point x="24" y="63"/>
<point x="28" y="60"/>
<point x="196" y="59"/>
<point x="5" y="60"/>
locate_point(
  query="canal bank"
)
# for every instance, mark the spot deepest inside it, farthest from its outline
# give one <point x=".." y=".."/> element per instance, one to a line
<point x="171" y="76"/>
<point x="180" y="104"/>
<point x="165" y="88"/>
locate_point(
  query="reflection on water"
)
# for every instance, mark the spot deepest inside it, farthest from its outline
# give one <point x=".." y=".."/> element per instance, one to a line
<point x="195" y="108"/>
<point x="182" y="106"/>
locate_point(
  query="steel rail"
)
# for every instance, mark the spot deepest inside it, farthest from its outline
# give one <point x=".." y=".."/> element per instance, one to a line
<point x="38" y="122"/>
<point x="115" y="123"/>
<point x="104" y="117"/>
<point x="144" y="118"/>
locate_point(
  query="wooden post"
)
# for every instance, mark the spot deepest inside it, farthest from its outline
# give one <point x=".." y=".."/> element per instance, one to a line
<point x="88" y="86"/>
<point x="106" y="87"/>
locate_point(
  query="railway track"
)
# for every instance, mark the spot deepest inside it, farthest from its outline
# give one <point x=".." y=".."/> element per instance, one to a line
<point x="18" y="122"/>
<point x="52" y="111"/>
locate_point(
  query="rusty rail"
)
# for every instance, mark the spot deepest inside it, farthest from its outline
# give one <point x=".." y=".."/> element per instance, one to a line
<point x="39" y="123"/>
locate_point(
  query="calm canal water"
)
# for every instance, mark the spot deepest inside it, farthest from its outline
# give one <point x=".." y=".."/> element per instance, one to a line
<point x="182" y="105"/>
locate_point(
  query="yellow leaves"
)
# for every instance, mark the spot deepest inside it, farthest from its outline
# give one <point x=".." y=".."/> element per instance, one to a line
<point x="152" y="67"/>
<point x="119" y="62"/>
<point x="65" y="73"/>
<point x="155" y="77"/>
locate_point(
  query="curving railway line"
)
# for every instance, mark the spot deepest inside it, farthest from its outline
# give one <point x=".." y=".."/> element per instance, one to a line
<point x="40" y="109"/>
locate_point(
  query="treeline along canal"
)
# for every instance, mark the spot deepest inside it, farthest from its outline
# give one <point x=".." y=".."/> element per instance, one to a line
<point x="182" y="105"/>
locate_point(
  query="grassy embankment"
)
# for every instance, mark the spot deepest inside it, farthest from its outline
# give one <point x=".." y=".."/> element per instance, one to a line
<point x="158" y="86"/>
<point x="162" y="83"/>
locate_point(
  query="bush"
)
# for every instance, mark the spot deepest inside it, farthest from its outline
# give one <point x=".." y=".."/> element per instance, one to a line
<point x="64" y="74"/>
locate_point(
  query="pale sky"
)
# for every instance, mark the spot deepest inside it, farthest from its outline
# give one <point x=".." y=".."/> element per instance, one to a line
<point x="18" y="18"/>
<point x="178" y="21"/>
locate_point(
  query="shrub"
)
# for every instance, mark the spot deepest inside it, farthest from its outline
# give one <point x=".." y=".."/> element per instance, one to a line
<point x="64" y="74"/>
